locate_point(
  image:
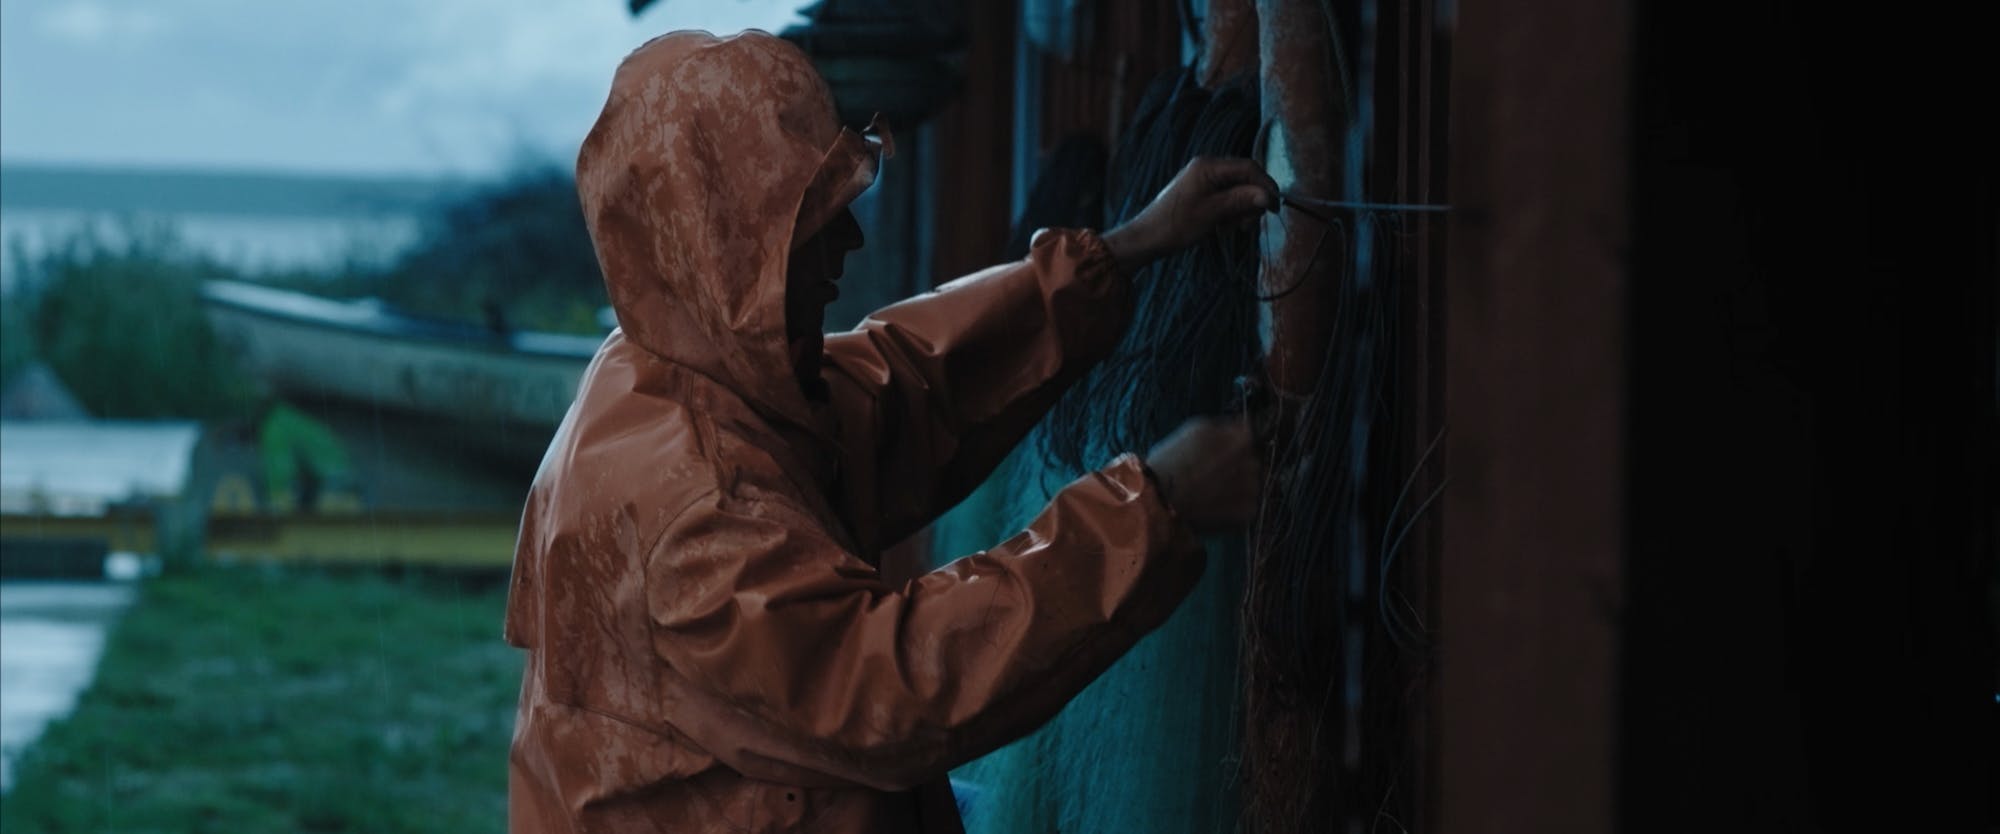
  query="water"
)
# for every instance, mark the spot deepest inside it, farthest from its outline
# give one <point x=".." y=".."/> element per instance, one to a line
<point x="51" y="635"/>
<point x="247" y="242"/>
<point x="256" y="222"/>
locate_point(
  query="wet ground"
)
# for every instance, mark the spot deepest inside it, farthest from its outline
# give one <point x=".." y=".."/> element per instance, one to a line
<point x="51" y="634"/>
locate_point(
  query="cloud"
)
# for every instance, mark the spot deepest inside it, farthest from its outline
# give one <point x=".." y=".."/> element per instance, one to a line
<point x="500" y="76"/>
<point x="89" y="23"/>
<point x="439" y="86"/>
<point x="506" y="47"/>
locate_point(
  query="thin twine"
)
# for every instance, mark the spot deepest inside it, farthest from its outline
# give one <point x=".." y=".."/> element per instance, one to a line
<point x="1306" y="205"/>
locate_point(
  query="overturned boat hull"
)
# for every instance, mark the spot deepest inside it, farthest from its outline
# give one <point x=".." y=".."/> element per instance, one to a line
<point x="510" y="388"/>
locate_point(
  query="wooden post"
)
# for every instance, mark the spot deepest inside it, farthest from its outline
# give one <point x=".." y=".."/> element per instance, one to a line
<point x="1305" y="105"/>
<point x="1535" y="376"/>
<point x="1296" y="733"/>
<point x="1229" y="41"/>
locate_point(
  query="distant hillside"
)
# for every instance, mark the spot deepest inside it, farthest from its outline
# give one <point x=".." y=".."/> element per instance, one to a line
<point x="36" y="186"/>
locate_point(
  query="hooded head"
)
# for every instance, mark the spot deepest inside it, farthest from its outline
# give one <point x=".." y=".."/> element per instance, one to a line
<point x="713" y="158"/>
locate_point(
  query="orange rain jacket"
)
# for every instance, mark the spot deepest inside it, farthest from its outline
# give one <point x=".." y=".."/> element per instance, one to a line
<point x="711" y="646"/>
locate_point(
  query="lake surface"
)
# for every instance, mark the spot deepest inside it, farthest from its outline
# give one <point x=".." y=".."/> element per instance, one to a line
<point x="252" y="221"/>
<point x="251" y="243"/>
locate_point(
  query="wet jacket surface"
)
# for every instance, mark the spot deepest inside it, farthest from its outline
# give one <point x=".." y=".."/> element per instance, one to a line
<point x="711" y="646"/>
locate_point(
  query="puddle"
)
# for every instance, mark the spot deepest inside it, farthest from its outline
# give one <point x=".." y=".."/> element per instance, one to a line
<point x="51" y="634"/>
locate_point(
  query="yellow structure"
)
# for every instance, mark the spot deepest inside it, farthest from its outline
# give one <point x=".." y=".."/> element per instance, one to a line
<point x="455" y="540"/>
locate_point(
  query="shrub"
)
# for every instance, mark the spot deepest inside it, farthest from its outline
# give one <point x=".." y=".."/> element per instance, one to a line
<point x="120" y="319"/>
<point x="517" y="247"/>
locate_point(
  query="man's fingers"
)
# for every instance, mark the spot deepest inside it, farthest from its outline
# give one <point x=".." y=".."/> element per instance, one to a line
<point x="1240" y="171"/>
<point x="1234" y="170"/>
<point x="1247" y="201"/>
<point x="1230" y="174"/>
<point x="1209" y="193"/>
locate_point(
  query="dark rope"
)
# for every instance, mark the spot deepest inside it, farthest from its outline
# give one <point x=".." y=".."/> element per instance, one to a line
<point x="1193" y="329"/>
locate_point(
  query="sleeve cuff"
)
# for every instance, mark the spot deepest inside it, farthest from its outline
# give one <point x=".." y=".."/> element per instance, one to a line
<point x="1142" y="485"/>
<point x="1083" y="247"/>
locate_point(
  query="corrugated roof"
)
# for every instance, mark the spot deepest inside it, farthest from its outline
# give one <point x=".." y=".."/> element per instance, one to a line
<point x="81" y="467"/>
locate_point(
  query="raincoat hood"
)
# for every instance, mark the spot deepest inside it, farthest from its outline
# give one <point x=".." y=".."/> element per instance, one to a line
<point x="712" y="159"/>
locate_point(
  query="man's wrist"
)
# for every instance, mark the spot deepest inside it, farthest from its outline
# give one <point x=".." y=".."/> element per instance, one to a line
<point x="1131" y="247"/>
<point x="1159" y="482"/>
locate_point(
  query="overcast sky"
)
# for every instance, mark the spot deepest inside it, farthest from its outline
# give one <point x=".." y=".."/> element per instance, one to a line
<point x="452" y="87"/>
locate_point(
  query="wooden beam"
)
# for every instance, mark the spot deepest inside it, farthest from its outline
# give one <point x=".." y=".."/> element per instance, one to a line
<point x="1532" y="551"/>
<point x="970" y="140"/>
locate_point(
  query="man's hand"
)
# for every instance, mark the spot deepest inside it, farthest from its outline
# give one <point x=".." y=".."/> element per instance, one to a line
<point x="1209" y="473"/>
<point x="1208" y="193"/>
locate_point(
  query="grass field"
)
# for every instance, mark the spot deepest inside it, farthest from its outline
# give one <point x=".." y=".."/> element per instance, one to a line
<point x="250" y="700"/>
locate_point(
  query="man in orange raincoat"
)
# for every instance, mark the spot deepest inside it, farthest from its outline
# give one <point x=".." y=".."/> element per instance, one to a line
<point x="711" y="645"/>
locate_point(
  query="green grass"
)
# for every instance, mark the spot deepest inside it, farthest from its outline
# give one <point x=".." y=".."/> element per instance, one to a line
<point x="245" y="700"/>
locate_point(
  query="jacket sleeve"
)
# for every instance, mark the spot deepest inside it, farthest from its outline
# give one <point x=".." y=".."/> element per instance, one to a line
<point x="792" y="662"/>
<point x="945" y="384"/>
